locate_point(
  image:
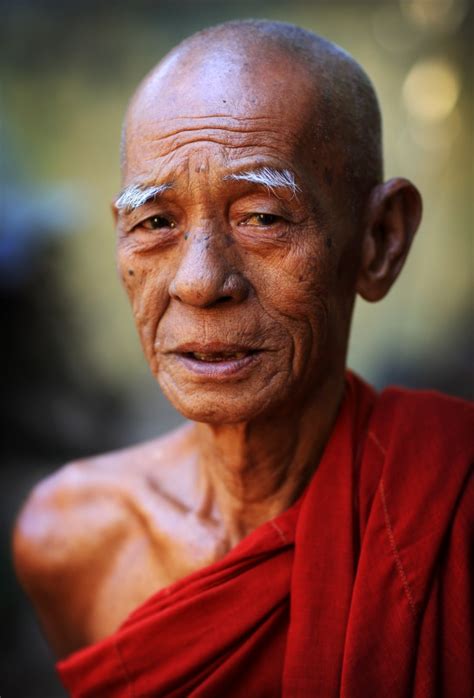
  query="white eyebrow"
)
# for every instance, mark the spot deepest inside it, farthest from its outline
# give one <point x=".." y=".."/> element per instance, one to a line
<point x="136" y="195"/>
<point x="269" y="177"/>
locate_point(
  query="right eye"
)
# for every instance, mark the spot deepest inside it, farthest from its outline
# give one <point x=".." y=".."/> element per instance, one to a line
<point x="156" y="223"/>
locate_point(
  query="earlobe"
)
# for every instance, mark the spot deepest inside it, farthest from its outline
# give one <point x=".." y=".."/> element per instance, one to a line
<point x="393" y="215"/>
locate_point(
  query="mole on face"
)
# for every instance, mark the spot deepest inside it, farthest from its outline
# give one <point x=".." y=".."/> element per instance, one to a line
<point x="186" y="235"/>
<point x="131" y="272"/>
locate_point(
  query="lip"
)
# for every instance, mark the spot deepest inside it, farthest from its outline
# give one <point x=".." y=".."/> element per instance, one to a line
<point x="212" y="348"/>
<point x="218" y="370"/>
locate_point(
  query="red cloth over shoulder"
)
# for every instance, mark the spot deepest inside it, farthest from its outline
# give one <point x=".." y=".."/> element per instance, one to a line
<point x="361" y="588"/>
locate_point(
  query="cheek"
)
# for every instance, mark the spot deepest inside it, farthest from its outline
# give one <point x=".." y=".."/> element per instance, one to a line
<point x="293" y="290"/>
<point x="348" y="266"/>
<point x="297" y="282"/>
<point x="304" y="290"/>
<point x="147" y="290"/>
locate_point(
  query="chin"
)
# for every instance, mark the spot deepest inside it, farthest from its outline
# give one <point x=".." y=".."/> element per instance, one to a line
<point x="229" y="406"/>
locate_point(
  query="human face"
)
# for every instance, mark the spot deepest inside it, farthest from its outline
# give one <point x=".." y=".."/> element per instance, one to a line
<point x="239" y="289"/>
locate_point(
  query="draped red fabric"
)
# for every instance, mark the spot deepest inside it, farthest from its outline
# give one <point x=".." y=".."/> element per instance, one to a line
<point x="362" y="588"/>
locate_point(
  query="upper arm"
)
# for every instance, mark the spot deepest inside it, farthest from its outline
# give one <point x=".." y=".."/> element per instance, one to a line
<point x="61" y="535"/>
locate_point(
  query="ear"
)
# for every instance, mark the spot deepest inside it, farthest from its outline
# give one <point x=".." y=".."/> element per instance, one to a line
<point x="393" y="215"/>
<point x="114" y="211"/>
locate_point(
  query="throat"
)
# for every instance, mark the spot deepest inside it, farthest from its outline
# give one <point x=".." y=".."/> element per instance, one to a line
<point x="247" y="478"/>
<point x="250" y="472"/>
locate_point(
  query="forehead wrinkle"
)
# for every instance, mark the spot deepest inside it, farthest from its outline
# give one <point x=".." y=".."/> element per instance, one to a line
<point x="241" y="144"/>
<point x="206" y="122"/>
<point x="137" y="195"/>
<point x="162" y="142"/>
<point x="269" y="177"/>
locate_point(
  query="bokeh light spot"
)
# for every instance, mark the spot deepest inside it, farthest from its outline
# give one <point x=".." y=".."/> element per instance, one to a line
<point x="444" y="15"/>
<point x="431" y="89"/>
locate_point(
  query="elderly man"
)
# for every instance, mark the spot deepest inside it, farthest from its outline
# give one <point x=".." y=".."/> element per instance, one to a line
<point x="300" y="535"/>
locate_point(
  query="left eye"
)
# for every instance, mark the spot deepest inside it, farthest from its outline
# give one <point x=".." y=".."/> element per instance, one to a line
<point x="263" y="219"/>
<point x="157" y="223"/>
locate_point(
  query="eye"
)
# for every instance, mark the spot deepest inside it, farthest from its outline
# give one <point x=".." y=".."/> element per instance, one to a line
<point x="157" y="223"/>
<point x="261" y="219"/>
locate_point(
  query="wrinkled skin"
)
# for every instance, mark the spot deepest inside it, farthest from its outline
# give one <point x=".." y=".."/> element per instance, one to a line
<point x="215" y="265"/>
<point x="285" y="289"/>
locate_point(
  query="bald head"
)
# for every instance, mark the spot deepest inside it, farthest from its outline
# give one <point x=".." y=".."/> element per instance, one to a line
<point x="228" y="68"/>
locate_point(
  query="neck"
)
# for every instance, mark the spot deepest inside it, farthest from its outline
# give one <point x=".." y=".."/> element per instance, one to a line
<point x="252" y="471"/>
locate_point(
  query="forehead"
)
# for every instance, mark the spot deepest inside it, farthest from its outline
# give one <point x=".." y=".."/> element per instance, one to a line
<point x="238" y="109"/>
<point x="209" y="144"/>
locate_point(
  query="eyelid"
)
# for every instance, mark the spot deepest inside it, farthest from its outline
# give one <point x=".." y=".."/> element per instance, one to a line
<point x="261" y="203"/>
<point x="168" y="219"/>
<point x="278" y="218"/>
<point x="141" y="220"/>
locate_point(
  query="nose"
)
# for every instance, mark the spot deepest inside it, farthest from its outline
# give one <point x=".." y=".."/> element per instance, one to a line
<point x="205" y="277"/>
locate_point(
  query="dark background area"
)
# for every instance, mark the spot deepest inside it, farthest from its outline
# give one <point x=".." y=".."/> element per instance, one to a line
<point x="74" y="380"/>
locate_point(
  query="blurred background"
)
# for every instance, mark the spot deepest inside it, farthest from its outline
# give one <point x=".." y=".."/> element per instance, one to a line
<point x="74" y="380"/>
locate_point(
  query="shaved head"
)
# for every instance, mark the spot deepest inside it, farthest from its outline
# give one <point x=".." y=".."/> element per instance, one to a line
<point x="342" y="117"/>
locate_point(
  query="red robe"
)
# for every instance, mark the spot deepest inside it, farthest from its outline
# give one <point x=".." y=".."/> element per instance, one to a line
<point x="361" y="589"/>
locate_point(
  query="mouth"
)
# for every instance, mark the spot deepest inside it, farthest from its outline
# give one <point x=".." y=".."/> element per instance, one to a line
<point x="217" y="362"/>
<point x="217" y="357"/>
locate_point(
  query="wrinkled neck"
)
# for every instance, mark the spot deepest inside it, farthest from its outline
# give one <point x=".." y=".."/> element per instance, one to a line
<point x="252" y="471"/>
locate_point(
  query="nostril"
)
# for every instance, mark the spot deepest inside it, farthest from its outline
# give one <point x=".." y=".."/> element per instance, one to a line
<point x="224" y="299"/>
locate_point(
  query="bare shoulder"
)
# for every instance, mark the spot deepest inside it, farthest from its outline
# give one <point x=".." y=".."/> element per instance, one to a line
<point x="74" y="522"/>
<point x="92" y="494"/>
